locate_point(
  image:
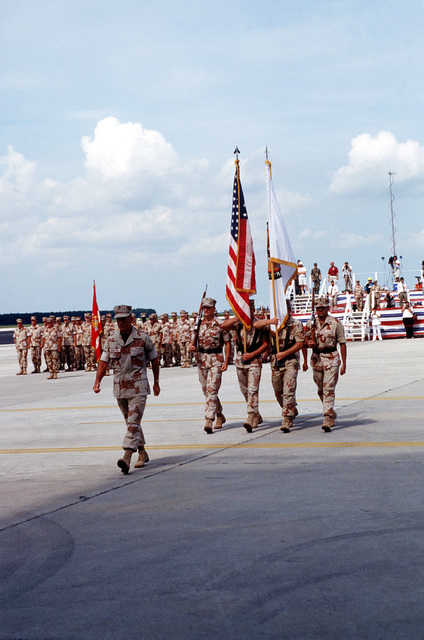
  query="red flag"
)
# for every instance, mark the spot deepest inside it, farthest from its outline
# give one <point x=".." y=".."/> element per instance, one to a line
<point x="96" y="326"/>
<point x="241" y="282"/>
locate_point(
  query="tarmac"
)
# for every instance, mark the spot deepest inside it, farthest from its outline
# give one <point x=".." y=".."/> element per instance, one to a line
<point x="307" y="535"/>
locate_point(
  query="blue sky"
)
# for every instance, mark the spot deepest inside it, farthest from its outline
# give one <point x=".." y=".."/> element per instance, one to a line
<point x="118" y="123"/>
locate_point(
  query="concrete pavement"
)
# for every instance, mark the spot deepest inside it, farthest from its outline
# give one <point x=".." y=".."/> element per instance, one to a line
<point x="233" y="535"/>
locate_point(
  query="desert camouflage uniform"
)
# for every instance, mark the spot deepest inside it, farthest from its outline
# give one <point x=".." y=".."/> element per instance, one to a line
<point x="249" y="373"/>
<point x="316" y="278"/>
<point x="130" y="385"/>
<point x="20" y="336"/>
<point x="68" y="331"/>
<point x="210" y="360"/>
<point x="51" y="340"/>
<point x="35" y="334"/>
<point x="376" y="289"/>
<point x="166" y="343"/>
<point x="155" y="333"/>
<point x="358" y="293"/>
<point x="184" y="337"/>
<point x="325" y="361"/>
<point x="284" y="377"/>
<point x="89" y="353"/>
<point x="174" y="340"/>
<point x="78" y="347"/>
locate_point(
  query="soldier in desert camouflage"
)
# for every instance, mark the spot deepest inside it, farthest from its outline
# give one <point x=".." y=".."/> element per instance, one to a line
<point x="250" y="344"/>
<point x="166" y="341"/>
<point x="285" y="364"/>
<point x="34" y="343"/>
<point x="128" y="351"/>
<point x="68" y="331"/>
<point x="20" y="337"/>
<point x="211" y="363"/>
<point x="325" y="360"/>
<point x="174" y="339"/>
<point x="184" y="337"/>
<point x="51" y="344"/>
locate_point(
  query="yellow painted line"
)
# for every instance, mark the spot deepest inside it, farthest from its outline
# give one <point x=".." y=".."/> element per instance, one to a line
<point x="201" y="404"/>
<point x="244" y="445"/>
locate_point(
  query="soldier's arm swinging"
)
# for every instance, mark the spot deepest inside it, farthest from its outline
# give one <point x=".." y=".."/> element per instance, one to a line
<point x="101" y="370"/>
<point x="155" y="369"/>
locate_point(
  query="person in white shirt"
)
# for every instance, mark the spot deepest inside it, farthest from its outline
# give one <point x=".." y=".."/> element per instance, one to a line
<point x="333" y="290"/>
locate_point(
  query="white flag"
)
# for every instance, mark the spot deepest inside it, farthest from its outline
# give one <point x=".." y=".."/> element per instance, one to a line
<point x="282" y="267"/>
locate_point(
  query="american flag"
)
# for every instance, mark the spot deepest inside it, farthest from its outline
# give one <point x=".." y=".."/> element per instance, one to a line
<point x="241" y="259"/>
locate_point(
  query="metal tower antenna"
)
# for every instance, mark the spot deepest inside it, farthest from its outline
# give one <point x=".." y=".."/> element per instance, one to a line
<point x="392" y="213"/>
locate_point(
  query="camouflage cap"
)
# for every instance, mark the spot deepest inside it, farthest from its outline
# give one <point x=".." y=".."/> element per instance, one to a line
<point x="66" y="317"/>
<point x="321" y="302"/>
<point x="122" y="310"/>
<point x="208" y="302"/>
<point x="153" y="315"/>
<point x="174" y="313"/>
<point x="164" y="315"/>
<point x="19" y="321"/>
<point x="51" y="319"/>
<point x="183" y="313"/>
<point x="33" y="317"/>
<point x="58" y="318"/>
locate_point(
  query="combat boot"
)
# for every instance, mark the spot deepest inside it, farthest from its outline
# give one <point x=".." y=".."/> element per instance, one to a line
<point x="287" y="424"/>
<point x="54" y="376"/>
<point x="50" y="376"/>
<point x="208" y="425"/>
<point x="125" y="462"/>
<point x="220" y="420"/>
<point x="248" y="425"/>
<point x="327" y="423"/>
<point x="20" y="373"/>
<point x="143" y="458"/>
<point x="257" y="420"/>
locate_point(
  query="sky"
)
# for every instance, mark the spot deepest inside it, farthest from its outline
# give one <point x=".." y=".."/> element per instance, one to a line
<point x="118" y="123"/>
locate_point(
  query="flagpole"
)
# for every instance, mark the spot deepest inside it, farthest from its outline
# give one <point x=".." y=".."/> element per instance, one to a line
<point x="271" y="263"/>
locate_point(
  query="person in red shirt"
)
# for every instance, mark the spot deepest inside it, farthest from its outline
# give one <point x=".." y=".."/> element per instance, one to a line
<point x="333" y="272"/>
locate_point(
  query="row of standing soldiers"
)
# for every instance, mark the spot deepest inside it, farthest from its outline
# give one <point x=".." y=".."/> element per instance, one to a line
<point x="66" y="342"/>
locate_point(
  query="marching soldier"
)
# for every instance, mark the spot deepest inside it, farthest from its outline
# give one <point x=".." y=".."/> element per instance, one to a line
<point x="211" y="363"/>
<point x="285" y="364"/>
<point x="325" y="360"/>
<point x="128" y="350"/>
<point x="250" y="344"/>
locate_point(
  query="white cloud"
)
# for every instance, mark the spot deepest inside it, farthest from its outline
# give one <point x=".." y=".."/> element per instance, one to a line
<point x="121" y="150"/>
<point x="370" y="160"/>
